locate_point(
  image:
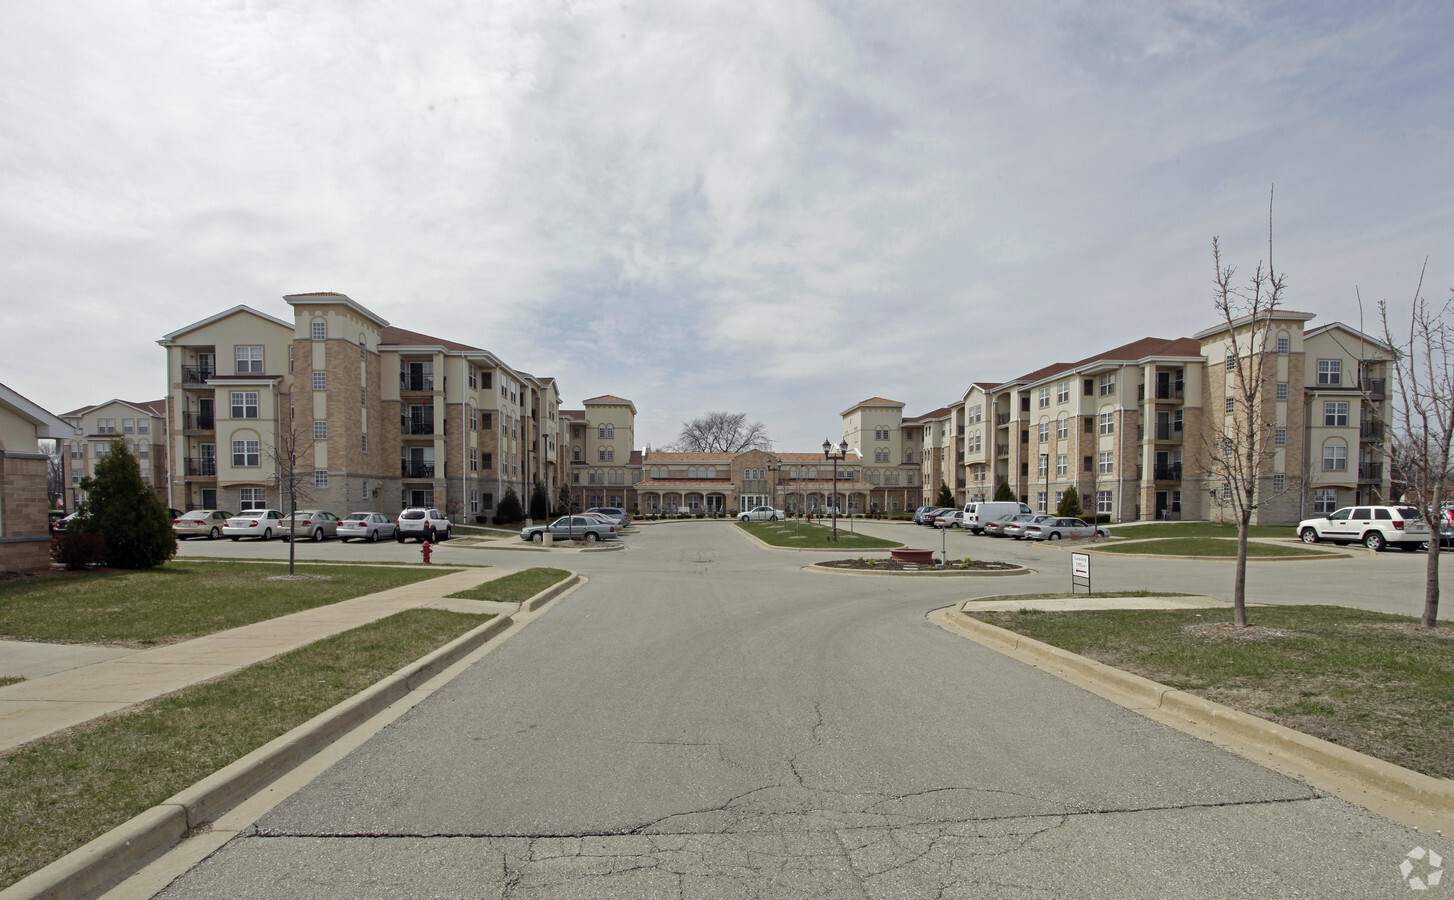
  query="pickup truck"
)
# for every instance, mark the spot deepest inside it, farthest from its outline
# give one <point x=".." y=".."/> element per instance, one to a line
<point x="581" y="528"/>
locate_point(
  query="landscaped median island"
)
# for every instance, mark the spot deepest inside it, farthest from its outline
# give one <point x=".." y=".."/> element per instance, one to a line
<point x="1375" y="683"/>
<point x="889" y="566"/>
<point x="803" y="536"/>
<point x="1214" y="547"/>
<point x="60" y="792"/>
<point x="183" y="599"/>
<point x="516" y="587"/>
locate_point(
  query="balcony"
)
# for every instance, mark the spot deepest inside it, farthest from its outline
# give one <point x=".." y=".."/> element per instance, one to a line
<point x="1373" y="387"/>
<point x="411" y="469"/>
<point x="1371" y="430"/>
<point x="1002" y="419"/>
<point x="1002" y="450"/>
<point x="1170" y="392"/>
<point x="413" y="382"/>
<point x="203" y="467"/>
<point x="1370" y="471"/>
<point x="198" y="422"/>
<point x="1170" y="472"/>
<point x="409" y="425"/>
<point x="1168" y="432"/>
<point x="196" y="376"/>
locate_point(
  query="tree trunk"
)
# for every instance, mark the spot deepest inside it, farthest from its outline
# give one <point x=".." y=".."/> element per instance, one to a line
<point x="1431" y="582"/>
<point x="1239" y="580"/>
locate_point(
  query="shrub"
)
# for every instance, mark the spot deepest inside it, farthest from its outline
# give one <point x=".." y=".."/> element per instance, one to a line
<point x="1003" y="493"/>
<point x="539" y="503"/>
<point x="480" y="520"/>
<point x="1069" y="503"/>
<point x="125" y="513"/>
<point x="77" y="551"/>
<point x="509" y="511"/>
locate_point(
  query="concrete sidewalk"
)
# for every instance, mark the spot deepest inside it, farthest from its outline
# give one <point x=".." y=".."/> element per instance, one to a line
<point x="70" y="684"/>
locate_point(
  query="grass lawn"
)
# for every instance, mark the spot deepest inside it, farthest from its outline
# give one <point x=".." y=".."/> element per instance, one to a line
<point x="61" y="792"/>
<point x="1209" y="546"/>
<point x="1372" y="682"/>
<point x="814" y="537"/>
<point x="183" y="599"/>
<point x="1138" y="530"/>
<point x="515" y="587"/>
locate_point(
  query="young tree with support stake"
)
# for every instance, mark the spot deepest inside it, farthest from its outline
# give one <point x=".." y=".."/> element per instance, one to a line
<point x="1424" y="419"/>
<point x="289" y="474"/>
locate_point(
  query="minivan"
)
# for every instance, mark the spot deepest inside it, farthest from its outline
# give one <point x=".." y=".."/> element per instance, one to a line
<point x="977" y="514"/>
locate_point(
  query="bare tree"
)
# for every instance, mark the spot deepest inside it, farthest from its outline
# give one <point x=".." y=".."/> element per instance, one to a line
<point x="55" y="473"/>
<point x="721" y="432"/>
<point x="1424" y="419"/>
<point x="1238" y="448"/>
<point x="291" y="460"/>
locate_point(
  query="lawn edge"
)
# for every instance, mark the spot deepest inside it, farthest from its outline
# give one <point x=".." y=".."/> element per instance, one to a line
<point x="1383" y="779"/>
<point x="112" y="857"/>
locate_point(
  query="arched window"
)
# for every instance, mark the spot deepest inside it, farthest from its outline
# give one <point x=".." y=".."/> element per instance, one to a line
<point x="712" y="472"/>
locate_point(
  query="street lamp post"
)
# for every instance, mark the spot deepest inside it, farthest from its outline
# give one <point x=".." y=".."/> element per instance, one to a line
<point x="830" y="454"/>
<point x="1045" y="462"/>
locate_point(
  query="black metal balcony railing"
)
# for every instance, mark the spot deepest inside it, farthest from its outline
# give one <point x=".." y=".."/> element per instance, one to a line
<point x="1170" y="472"/>
<point x="1372" y="430"/>
<point x="1169" y="392"/>
<point x="1002" y="418"/>
<point x="198" y="421"/>
<point x="201" y="467"/>
<point x="1168" y="432"/>
<point x="197" y="374"/>
<point x="411" y="469"/>
<point x="409" y="425"/>
<point x="412" y="382"/>
<point x="1002" y="450"/>
<point x="1373" y="387"/>
<point x="1370" y="471"/>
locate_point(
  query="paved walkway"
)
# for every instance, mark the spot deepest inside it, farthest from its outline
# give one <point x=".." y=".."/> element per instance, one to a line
<point x="68" y="684"/>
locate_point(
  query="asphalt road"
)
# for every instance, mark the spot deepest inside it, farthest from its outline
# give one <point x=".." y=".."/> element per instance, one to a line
<point x="705" y="719"/>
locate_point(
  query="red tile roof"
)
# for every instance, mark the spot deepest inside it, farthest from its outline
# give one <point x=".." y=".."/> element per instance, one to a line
<point x="607" y="398"/>
<point x="391" y="336"/>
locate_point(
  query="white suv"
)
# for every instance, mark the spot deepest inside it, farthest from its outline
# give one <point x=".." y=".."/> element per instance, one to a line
<point x="1375" y="527"/>
<point x="425" y="524"/>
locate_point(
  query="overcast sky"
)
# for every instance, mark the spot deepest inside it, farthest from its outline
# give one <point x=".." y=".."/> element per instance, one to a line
<point x="778" y="208"/>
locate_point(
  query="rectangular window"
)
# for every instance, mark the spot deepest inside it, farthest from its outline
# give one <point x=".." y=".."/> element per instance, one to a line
<point x="1062" y="392"/>
<point x="105" y="426"/>
<point x="252" y="498"/>
<point x="1284" y="346"/>
<point x="1325" y="501"/>
<point x="474" y="379"/>
<point x="1062" y="428"/>
<point x="1044" y="466"/>
<point x="474" y="460"/>
<point x="320" y="479"/>
<point x="1104" y="462"/>
<point x="363" y="396"/>
<point x="1108" y="384"/>
<point x="1107" y="423"/>
<point x="474" y="418"/>
<point x="1231" y="362"/>
<point x="1330" y="371"/>
<point x="1103" y="502"/>
<point x="1335" y="458"/>
<point x="128" y="426"/>
<point x="1279" y="437"/>
<point x="363" y="440"/>
<point x="320" y="429"/>
<point x="1335" y="414"/>
<point x="1040" y="500"/>
<point x="1279" y="483"/>
<point x="320" y="330"/>
<point x="246" y="453"/>
<point x="320" y="381"/>
<point x="1228" y="404"/>
<point x="1282" y="390"/>
<point x="249" y="360"/>
<point x="487" y="461"/>
<point x="1045" y="396"/>
<point x="1044" y="432"/>
<point x="143" y="426"/>
<point x="244" y="404"/>
<point x="487" y="421"/>
<point x="1061" y="467"/>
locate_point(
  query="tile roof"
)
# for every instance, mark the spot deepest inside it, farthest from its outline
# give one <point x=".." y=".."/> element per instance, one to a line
<point x="607" y="398"/>
<point x="393" y="336"/>
<point x="1136" y="350"/>
<point x="878" y="401"/>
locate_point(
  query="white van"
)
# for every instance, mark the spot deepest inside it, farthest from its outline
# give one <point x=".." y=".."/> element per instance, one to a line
<point x="977" y="514"/>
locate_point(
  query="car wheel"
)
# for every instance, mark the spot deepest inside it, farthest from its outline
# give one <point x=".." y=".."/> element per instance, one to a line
<point x="267" y="534"/>
<point x="447" y="535"/>
<point x="342" y="539"/>
<point x="1411" y="548"/>
<point x="591" y="536"/>
<point x="1309" y="535"/>
<point x="1374" y="541"/>
<point x="317" y="535"/>
<point x="1054" y="536"/>
<point x="772" y="518"/>
<point x="430" y="537"/>
<point x="538" y="536"/>
<point x="399" y="537"/>
<point x="374" y="536"/>
<point x="234" y="537"/>
<point x="214" y="534"/>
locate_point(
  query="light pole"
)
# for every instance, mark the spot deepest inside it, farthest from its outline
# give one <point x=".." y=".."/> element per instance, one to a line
<point x="828" y="453"/>
<point x="1045" y="463"/>
<point x="773" y="468"/>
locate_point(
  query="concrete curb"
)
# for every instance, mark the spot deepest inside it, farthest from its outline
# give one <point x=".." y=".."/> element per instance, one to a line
<point x="950" y="573"/>
<point x="125" y="849"/>
<point x="1436" y="794"/>
<point x="550" y="593"/>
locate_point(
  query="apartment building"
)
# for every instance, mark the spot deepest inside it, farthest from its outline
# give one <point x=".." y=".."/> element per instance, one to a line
<point x="142" y="425"/>
<point x="888" y="454"/>
<point x="604" y="465"/>
<point x="727" y="482"/>
<point x="365" y="415"/>
<point x="24" y="501"/>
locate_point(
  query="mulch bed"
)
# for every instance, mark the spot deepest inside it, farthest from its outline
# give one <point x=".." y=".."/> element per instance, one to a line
<point x="894" y="565"/>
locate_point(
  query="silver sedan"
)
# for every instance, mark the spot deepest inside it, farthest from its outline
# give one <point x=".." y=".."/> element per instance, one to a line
<point x="1053" y="529"/>
<point x="367" y="526"/>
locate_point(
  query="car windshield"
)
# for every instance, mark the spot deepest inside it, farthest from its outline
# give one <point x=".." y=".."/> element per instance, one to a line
<point x="356" y="517"/>
<point x="1408" y="512"/>
<point x="251" y="514"/>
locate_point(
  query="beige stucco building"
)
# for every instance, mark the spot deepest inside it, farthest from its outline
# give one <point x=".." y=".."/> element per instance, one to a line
<point x="142" y="425"/>
<point x="24" y="503"/>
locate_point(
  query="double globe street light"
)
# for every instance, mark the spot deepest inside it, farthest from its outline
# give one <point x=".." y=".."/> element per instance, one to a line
<point x="835" y="454"/>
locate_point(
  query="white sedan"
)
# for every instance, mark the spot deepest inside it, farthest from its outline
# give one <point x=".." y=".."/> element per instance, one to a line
<point x="263" y="524"/>
<point x="762" y="514"/>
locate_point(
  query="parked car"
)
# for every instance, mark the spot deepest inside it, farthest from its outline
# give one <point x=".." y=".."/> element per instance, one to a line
<point x="262" y="524"/>
<point x="951" y="518"/>
<point x="1059" y="527"/>
<point x="314" y="524"/>
<point x="578" y="527"/>
<point x="996" y="528"/>
<point x="982" y="512"/>
<point x="927" y="518"/>
<point x="762" y="514"/>
<point x="423" y="524"/>
<point x="923" y="511"/>
<point x="1375" y="527"/>
<point x="58" y="526"/>
<point x="614" y="513"/>
<point x="1015" y="528"/>
<point x="368" y="526"/>
<point x="201" y="523"/>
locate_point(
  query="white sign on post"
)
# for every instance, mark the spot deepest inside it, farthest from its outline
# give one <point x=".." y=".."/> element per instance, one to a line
<point x="1080" y="568"/>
